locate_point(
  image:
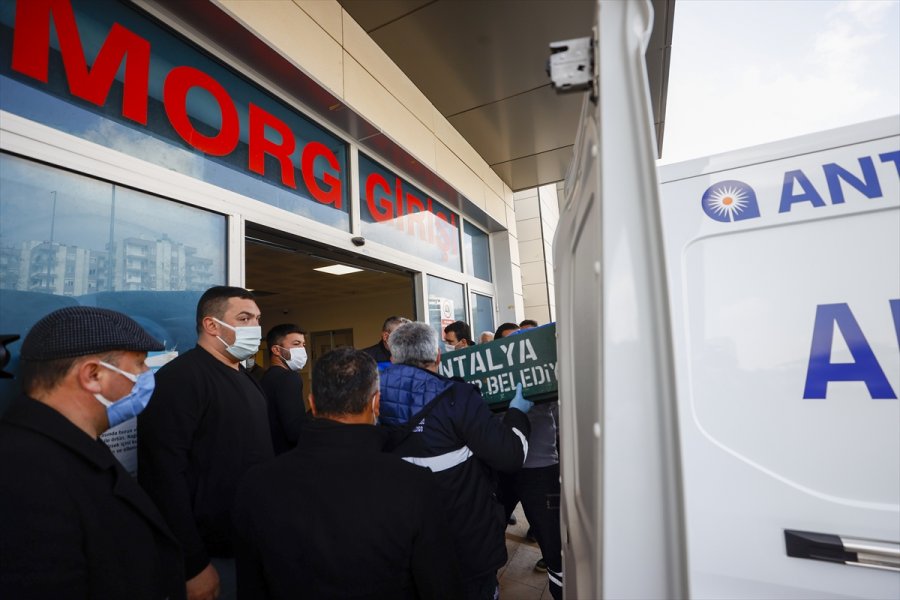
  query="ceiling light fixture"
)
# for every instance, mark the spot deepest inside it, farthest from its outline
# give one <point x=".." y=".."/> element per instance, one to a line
<point x="338" y="269"/>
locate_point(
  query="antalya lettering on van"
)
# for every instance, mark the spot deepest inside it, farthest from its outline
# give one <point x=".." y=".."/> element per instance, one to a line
<point x="868" y="184"/>
<point x="31" y="50"/>
<point x="732" y="200"/>
<point x="864" y="368"/>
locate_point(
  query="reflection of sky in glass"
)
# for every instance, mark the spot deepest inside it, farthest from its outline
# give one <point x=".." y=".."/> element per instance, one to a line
<point x="83" y="206"/>
<point x="421" y="233"/>
<point x="482" y="315"/>
<point x="476" y="251"/>
<point x="158" y="142"/>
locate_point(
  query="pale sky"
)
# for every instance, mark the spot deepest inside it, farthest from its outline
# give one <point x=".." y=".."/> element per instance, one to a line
<point x="748" y="72"/>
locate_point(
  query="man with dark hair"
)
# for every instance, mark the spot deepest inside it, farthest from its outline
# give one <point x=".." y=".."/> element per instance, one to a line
<point x="73" y="522"/>
<point x="381" y="352"/>
<point x="528" y="324"/>
<point x="449" y="429"/>
<point x="458" y="335"/>
<point x="283" y="386"/>
<point x="206" y="426"/>
<point x="505" y="329"/>
<point x="336" y="517"/>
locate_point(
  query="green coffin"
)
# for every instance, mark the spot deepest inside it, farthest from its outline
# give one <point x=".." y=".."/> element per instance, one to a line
<point x="528" y="358"/>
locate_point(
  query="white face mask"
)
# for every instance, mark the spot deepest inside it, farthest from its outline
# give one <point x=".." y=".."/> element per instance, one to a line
<point x="297" y="360"/>
<point x="246" y="340"/>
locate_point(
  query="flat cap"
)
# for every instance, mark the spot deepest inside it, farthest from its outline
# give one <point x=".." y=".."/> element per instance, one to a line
<point x="81" y="330"/>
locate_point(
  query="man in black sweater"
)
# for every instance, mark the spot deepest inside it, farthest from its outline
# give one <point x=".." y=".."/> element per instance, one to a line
<point x="283" y="386"/>
<point x="336" y="517"/>
<point x="206" y="425"/>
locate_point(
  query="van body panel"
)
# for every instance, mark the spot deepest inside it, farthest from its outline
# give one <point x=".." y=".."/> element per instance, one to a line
<point x="787" y="355"/>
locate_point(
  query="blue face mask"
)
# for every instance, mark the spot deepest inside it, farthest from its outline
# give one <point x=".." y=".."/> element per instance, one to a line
<point x="130" y="406"/>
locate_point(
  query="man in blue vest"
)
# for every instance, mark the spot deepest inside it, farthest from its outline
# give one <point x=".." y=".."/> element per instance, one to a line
<point x="445" y="425"/>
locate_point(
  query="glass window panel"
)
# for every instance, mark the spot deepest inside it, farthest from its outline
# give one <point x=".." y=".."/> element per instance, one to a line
<point x="67" y="239"/>
<point x="482" y="315"/>
<point x="477" y="252"/>
<point x="446" y="303"/>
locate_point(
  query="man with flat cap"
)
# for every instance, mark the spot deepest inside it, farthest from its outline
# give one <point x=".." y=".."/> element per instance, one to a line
<point x="73" y="522"/>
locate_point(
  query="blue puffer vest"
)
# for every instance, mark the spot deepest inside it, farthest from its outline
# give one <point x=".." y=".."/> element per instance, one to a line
<point x="405" y="390"/>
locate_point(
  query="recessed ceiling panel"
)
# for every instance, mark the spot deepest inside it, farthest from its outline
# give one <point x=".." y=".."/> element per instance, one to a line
<point x="466" y="54"/>
<point x="483" y="65"/>
<point x="537" y="169"/>
<point x="526" y="124"/>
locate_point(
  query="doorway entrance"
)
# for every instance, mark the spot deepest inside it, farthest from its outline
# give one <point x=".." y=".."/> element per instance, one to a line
<point x="334" y="309"/>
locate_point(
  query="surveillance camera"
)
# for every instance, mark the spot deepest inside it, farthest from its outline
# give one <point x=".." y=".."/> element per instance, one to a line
<point x="358" y="240"/>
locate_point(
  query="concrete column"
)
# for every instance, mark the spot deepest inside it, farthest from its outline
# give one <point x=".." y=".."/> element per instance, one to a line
<point x="537" y="216"/>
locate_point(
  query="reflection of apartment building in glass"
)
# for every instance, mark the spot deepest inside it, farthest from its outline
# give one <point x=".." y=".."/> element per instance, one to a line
<point x="47" y="267"/>
<point x="138" y="264"/>
<point x="161" y="265"/>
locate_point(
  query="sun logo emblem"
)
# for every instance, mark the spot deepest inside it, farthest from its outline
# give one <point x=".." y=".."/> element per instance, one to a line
<point x="729" y="201"/>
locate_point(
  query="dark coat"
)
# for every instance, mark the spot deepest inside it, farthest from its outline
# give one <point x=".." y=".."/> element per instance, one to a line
<point x="73" y="523"/>
<point x="337" y="518"/>
<point x="206" y="424"/>
<point x="463" y="443"/>
<point x="287" y="411"/>
<point x="379" y="352"/>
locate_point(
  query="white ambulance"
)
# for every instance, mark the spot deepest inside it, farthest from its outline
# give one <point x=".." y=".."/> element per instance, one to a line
<point x="729" y="355"/>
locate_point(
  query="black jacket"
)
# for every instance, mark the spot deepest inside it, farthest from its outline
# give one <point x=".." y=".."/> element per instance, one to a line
<point x="337" y="518"/>
<point x="379" y="352"/>
<point x="73" y="523"/>
<point x="206" y="424"/>
<point x="287" y="411"/>
<point x="462" y="442"/>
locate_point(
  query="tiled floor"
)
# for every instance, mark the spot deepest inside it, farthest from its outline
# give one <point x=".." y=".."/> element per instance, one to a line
<point x="518" y="579"/>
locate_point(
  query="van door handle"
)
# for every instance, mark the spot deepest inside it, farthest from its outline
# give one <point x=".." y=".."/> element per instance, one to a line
<point x="857" y="552"/>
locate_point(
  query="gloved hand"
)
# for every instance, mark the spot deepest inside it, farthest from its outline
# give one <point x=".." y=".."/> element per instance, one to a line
<point x="519" y="401"/>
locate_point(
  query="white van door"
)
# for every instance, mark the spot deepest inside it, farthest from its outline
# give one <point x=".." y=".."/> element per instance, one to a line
<point x="621" y="503"/>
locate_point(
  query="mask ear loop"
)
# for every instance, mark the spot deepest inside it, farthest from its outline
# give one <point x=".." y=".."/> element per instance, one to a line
<point x="281" y="357"/>
<point x="219" y="337"/>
